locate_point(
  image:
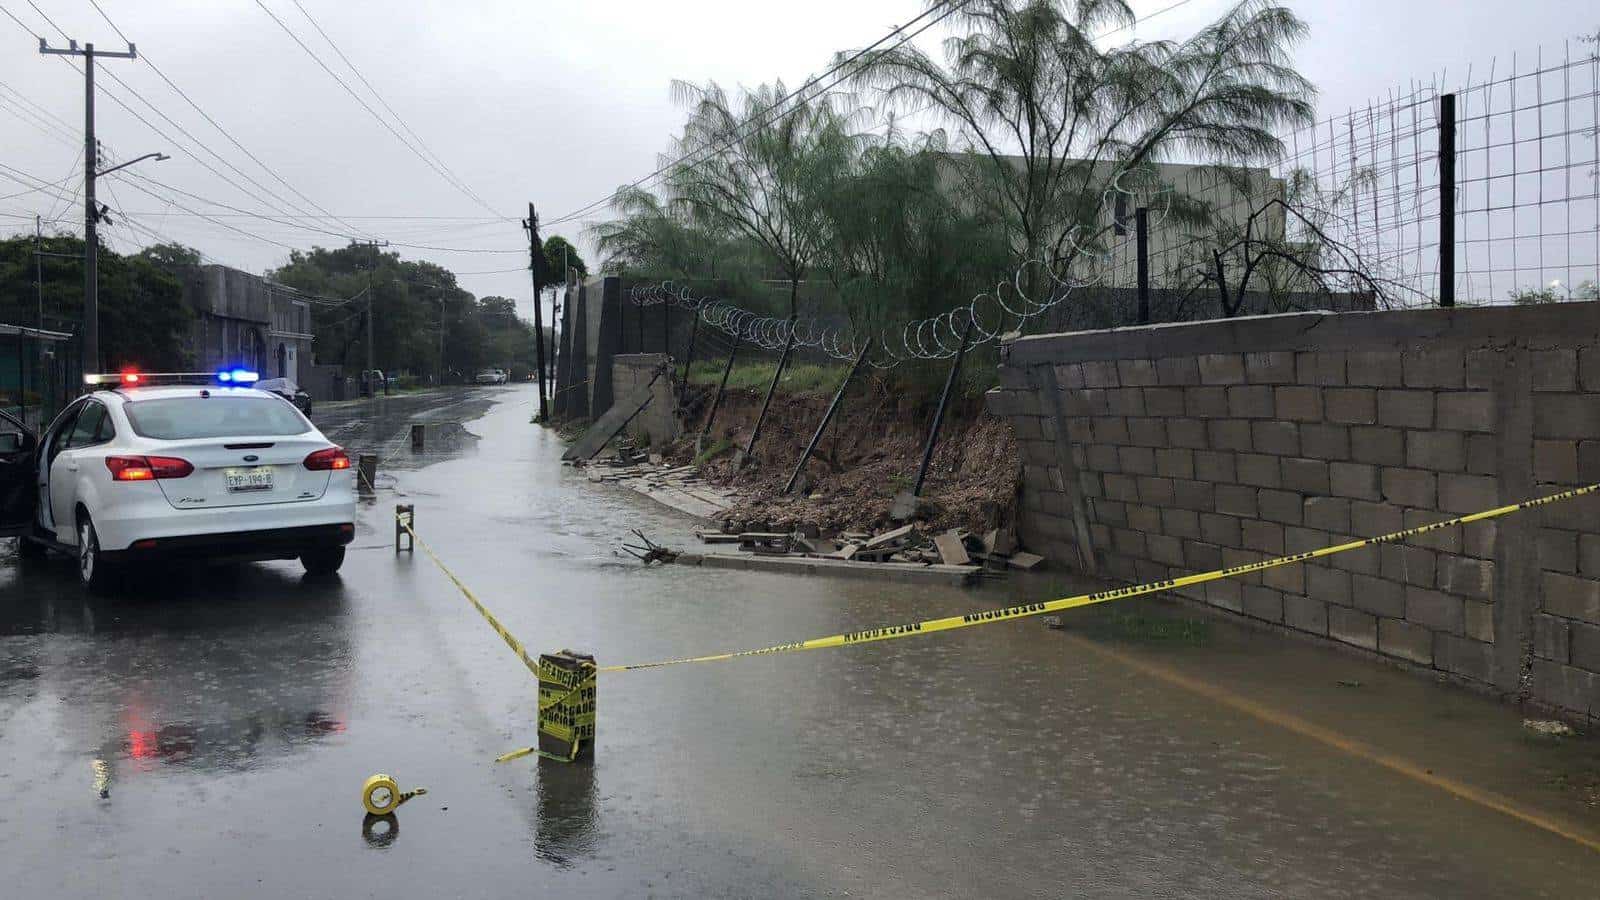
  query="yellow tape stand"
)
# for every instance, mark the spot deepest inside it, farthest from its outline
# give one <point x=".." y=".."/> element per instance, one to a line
<point x="382" y="796"/>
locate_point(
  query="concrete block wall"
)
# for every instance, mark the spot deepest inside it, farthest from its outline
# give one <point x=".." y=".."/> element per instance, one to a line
<point x="1159" y="451"/>
<point x="657" y="424"/>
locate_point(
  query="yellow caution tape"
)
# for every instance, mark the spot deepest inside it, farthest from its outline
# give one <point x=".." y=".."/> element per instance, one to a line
<point x="986" y="617"/>
<point x="382" y="796"/>
<point x="1025" y="610"/>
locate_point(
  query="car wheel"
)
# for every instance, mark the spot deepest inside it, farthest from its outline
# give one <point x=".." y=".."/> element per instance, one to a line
<point x="93" y="572"/>
<point x="322" y="562"/>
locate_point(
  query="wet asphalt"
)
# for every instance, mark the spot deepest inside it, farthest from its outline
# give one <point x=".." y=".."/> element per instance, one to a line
<point x="206" y="733"/>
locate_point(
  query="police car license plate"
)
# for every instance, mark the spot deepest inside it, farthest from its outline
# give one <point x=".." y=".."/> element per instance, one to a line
<point x="243" y="481"/>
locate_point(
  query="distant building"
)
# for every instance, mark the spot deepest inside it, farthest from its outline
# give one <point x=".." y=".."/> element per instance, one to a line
<point x="247" y="320"/>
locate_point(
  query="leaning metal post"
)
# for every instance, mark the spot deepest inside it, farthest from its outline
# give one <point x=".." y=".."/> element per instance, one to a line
<point x="944" y="400"/>
<point x="783" y="360"/>
<point x="721" y="388"/>
<point x="688" y="356"/>
<point x="827" y="417"/>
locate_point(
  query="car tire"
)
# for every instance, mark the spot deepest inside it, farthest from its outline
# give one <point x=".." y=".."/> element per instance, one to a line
<point x="322" y="562"/>
<point x="93" y="571"/>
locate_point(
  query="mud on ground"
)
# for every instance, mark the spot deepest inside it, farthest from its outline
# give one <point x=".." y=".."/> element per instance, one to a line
<point x="870" y="453"/>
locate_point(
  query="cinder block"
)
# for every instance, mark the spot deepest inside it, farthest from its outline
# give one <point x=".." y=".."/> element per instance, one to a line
<point x="1479" y="619"/>
<point x="1555" y="370"/>
<point x="1269" y="367"/>
<point x="1484" y="365"/>
<point x="1250" y="402"/>
<point x="1588" y="462"/>
<point x="1144" y="518"/>
<point x="1136" y="372"/>
<point x="1440" y="451"/>
<point x="1319" y="367"/>
<point x="1258" y="469"/>
<point x="1353" y="627"/>
<point x="1397" y="637"/>
<point x="1551" y="637"/>
<point x="1468" y="658"/>
<point x="1089" y="402"/>
<point x="1585" y="646"/>
<point x="1379" y="446"/>
<point x="1298" y="539"/>
<point x="1100" y="534"/>
<point x="1566" y="686"/>
<point x="1328" y="514"/>
<point x="1196" y="495"/>
<point x="1178" y="370"/>
<point x="1374" y="368"/>
<point x="1360" y="561"/>
<point x="1555" y="461"/>
<point x="1377" y="596"/>
<point x="1466" y="493"/>
<point x="1128" y="542"/>
<point x="1468" y="411"/>
<point x="1089" y="483"/>
<point x="1290" y="578"/>
<point x="1184" y="523"/>
<point x="1109" y="430"/>
<point x="1221" y="530"/>
<point x="1100" y="373"/>
<point x="1199" y="556"/>
<point x="1330" y="442"/>
<point x="1308" y="476"/>
<point x="1125" y="401"/>
<point x="1558" y="551"/>
<point x="1466" y="577"/>
<point x="1589" y="555"/>
<point x="1164" y="401"/>
<point x="1175" y="463"/>
<point x="1215" y="465"/>
<point x="1352" y="406"/>
<point x="1228" y="434"/>
<point x="1103" y="457"/>
<point x="1187" y="433"/>
<point x="1299" y="404"/>
<point x="1447" y="539"/>
<point x="1226" y="594"/>
<point x="1354" y="480"/>
<point x="1264" y="536"/>
<point x="1589" y="368"/>
<point x="1069" y="375"/>
<point x="1027" y="428"/>
<point x="1285" y="507"/>
<point x="1372" y="519"/>
<point x="1305" y="614"/>
<point x="1328" y="585"/>
<point x="1120" y="567"/>
<point x="1406" y="564"/>
<point x="1232" y="557"/>
<point x="1263" y="603"/>
<point x="1146" y="432"/>
<point x="1221" y="368"/>
<point x="1122" y="487"/>
<point x="1078" y="430"/>
<point x="1136" y="460"/>
<point x="1435" y="367"/>
<point x="1165" y="549"/>
<point x="1410" y="487"/>
<point x="1155" y="490"/>
<point x="1482" y="456"/>
<point x="1275" y="437"/>
<point x="1405" y="409"/>
<point x="1571" y="597"/>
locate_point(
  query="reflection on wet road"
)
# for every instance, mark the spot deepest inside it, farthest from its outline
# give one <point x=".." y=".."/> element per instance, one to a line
<point x="231" y="717"/>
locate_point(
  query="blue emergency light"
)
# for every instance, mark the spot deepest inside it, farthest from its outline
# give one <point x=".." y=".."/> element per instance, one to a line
<point x="238" y="376"/>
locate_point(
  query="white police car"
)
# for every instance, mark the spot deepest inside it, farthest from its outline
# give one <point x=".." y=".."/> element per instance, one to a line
<point x="148" y="467"/>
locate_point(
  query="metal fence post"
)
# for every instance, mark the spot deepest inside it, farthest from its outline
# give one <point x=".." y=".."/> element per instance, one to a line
<point x="721" y="388"/>
<point x="827" y="417"/>
<point x="944" y="401"/>
<point x="1447" y="199"/>
<point x="688" y="356"/>
<point x="1142" y="230"/>
<point x="783" y="361"/>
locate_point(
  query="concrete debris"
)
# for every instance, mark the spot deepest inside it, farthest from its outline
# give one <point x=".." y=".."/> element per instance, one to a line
<point x="1025" y="560"/>
<point x="952" y="552"/>
<point x="1549" y="727"/>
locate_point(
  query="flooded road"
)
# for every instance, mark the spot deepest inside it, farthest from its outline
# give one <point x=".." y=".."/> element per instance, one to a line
<point x="208" y="733"/>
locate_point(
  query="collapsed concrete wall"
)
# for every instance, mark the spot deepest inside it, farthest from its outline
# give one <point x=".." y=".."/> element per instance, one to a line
<point x="657" y="425"/>
<point x="1159" y="451"/>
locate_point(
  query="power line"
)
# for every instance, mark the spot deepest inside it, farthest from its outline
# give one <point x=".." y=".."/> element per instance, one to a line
<point x="218" y="126"/>
<point x="368" y="107"/>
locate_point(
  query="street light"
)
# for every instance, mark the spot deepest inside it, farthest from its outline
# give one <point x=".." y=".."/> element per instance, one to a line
<point x="158" y="157"/>
<point x="91" y="256"/>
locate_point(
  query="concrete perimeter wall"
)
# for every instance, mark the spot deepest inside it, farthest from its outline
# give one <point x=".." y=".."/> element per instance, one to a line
<point x="657" y="424"/>
<point x="1159" y="451"/>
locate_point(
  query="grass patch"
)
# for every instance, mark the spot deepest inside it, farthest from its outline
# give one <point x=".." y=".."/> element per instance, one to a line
<point x="798" y="378"/>
<point x="712" y="452"/>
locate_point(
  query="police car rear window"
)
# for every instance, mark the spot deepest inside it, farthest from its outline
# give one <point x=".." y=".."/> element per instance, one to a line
<point x="186" y="418"/>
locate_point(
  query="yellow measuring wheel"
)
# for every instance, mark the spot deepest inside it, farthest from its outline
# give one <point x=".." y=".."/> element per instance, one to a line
<point x="382" y="796"/>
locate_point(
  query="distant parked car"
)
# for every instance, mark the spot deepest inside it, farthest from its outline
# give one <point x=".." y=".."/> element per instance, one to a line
<point x="289" y="391"/>
<point x="492" y="376"/>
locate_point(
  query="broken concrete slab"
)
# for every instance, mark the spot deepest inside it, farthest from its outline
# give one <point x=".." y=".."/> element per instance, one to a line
<point x="888" y="537"/>
<point x="952" y="552"/>
<point x="1024" y="560"/>
<point x="607" y="426"/>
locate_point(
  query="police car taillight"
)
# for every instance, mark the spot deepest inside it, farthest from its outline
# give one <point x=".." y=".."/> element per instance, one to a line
<point x="147" y="468"/>
<point x="330" y="459"/>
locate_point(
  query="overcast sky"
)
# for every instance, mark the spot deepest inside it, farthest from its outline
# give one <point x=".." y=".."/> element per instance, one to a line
<point x="555" y="103"/>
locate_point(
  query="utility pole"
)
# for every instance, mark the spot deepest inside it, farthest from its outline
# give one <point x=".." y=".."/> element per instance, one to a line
<point x="371" y="295"/>
<point x="536" y="267"/>
<point x="91" y="211"/>
<point x="38" y="265"/>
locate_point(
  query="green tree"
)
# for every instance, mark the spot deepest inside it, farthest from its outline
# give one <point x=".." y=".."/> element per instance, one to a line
<point x="559" y="252"/>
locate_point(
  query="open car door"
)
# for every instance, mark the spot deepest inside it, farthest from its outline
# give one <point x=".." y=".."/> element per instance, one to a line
<point x="18" y="448"/>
